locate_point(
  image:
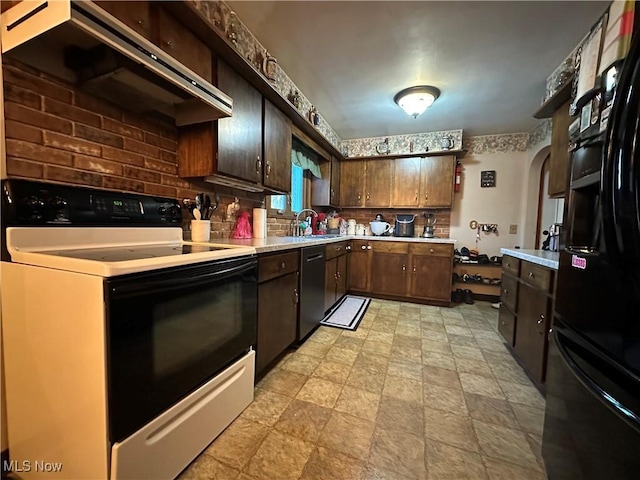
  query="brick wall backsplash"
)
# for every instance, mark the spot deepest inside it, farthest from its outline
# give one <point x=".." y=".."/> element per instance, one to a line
<point x="365" y="215"/>
<point x="57" y="133"/>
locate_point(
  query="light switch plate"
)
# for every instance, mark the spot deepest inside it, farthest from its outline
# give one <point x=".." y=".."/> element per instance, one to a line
<point x="513" y="229"/>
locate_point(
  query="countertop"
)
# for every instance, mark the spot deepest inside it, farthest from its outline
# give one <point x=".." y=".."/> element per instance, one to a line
<point x="544" y="258"/>
<point x="273" y="244"/>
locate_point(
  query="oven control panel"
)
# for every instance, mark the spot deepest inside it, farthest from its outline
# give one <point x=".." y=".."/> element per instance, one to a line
<point x="35" y="203"/>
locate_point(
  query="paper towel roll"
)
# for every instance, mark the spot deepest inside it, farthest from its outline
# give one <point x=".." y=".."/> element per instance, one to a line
<point x="259" y="223"/>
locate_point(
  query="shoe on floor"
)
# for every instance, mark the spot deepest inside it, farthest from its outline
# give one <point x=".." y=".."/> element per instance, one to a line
<point x="468" y="296"/>
<point x="457" y="296"/>
<point x="496" y="305"/>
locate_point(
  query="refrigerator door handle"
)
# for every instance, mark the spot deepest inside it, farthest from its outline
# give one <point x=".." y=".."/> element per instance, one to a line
<point x="614" y="404"/>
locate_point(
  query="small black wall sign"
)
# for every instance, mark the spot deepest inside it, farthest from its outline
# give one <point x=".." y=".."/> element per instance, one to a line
<point x="488" y="178"/>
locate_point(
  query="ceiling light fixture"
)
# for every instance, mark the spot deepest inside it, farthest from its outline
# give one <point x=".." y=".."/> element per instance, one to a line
<point x="415" y="100"/>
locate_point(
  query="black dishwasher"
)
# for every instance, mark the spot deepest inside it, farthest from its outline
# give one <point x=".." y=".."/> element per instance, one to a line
<point x="311" y="289"/>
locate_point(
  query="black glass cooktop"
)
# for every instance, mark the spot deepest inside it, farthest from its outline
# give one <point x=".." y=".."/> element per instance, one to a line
<point x="123" y="254"/>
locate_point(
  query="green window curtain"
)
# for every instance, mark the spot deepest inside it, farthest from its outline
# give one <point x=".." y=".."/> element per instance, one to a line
<point x="305" y="158"/>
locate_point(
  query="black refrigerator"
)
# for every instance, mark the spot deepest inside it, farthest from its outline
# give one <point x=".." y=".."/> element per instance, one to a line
<point x="592" y="414"/>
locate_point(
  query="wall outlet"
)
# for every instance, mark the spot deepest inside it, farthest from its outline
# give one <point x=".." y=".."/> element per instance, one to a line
<point x="513" y="229"/>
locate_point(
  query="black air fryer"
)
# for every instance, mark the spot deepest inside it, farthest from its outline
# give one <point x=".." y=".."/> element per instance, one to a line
<point x="404" y="226"/>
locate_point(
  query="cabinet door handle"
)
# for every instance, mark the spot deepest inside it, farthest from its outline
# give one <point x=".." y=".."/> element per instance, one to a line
<point x="426" y="195"/>
<point x="404" y="269"/>
<point x="338" y="274"/>
<point x="140" y="22"/>
<point x="296" y="296"/>
<point x="335" y="276"/>
<point x="268" y="168"/>
<point x="414" y="269"/>
<point x="540" y="322"/>
<point x="531" y="275"/>
<point x="416" y="195"/>
<point x="332" y="194"/>
<point x="506" y="291"/>
<point x="364" y="247"/>
<point x="348" y="248"/>
<point x="359" y="197"/>
<point x="368" y="197"/>
<point x="368" y="247"/>
<point x="282" y="265"/>
<point x="431" y="250"/>
<point x="338" y="249"/>
<point x="168" y="43"/>
<point x="258" y="165"/>
<point x="508" y="265"/>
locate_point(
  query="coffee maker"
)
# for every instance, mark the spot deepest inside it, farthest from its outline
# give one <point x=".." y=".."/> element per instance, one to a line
<point x="429" y="225"/>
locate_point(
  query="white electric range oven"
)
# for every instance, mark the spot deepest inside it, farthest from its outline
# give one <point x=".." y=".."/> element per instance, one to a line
<point x="126" y="349"/>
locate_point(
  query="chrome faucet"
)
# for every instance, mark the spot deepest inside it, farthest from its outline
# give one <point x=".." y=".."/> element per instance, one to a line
<point x="296" y="227"/>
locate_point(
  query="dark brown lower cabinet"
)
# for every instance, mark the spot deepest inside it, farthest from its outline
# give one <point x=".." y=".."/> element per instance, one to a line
<point x="359" y="265"/>
<point x="525" y="313"/>
<point x="335" y="275"/>
<point x="389" y="273"/>
<point x="531" y="333"/>
<point x="277" y="305"/>
<point x="396" y="269"/>
<point x="342" y="285"/>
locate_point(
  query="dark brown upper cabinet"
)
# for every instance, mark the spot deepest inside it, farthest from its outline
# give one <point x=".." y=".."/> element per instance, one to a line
<point x="437" y="181"/>
<point x="176" y="39"/>
<point x="406" y="182"/>
<point x="230" y="146"/>
<point x="352" y="185"/>
<point x="559" y="155"/>
<point x="134" y="15"/>
<point x="277" y="149"/>
<point x="378" y="183"/>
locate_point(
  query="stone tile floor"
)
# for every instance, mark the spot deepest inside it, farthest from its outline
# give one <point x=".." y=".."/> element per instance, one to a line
<point x="416" y="392"/>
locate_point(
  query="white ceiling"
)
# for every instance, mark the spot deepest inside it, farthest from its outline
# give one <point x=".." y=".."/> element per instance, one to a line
<point x="489" y="59"/>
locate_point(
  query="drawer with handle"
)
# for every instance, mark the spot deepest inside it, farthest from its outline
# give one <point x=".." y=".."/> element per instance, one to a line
<point x="390" y="247"/>
<point x="435" y="249"/>
<point x="511" y="265"/>
<point x="333" y="250"/>
<point x="536" y="276"/>
<point x="509" y="292"/>
<point x="507" y="325"/>
<point x="273" y="266"/>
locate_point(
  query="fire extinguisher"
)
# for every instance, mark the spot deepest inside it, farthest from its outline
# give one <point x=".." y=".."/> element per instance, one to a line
<point x="456" y="185"/>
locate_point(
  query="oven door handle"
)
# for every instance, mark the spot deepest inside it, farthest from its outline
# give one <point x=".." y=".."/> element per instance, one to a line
<point x="163" y="284"/>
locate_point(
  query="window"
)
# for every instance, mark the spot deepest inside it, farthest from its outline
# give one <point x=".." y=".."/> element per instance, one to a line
<point x="296" y="199"/>
<point x="304" y="166"/>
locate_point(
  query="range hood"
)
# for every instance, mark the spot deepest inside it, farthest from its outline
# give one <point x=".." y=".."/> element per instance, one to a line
<point x="80" y="42"/>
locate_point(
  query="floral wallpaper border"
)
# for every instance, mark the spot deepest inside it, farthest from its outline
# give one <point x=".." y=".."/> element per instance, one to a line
<point x="512" y="142"/>
<point x="541" y="133"/>
<point x="402" y="144"/>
